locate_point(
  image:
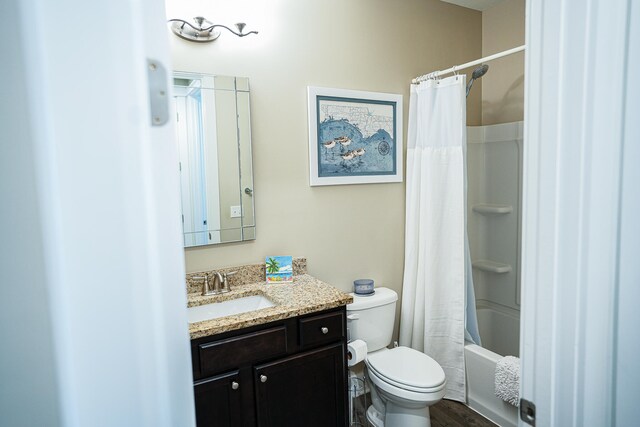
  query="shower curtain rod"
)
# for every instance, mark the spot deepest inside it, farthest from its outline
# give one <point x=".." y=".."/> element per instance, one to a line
<point x="455" y="68"/>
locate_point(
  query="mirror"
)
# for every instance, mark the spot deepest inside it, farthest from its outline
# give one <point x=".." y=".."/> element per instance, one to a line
<point x="213" y="129"/>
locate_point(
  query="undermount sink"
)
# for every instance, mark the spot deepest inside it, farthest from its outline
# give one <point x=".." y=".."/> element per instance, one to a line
<point x="228" y="308"/>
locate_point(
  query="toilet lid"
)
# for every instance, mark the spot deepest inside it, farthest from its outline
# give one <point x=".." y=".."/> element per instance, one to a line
<point x="408" y="367"/>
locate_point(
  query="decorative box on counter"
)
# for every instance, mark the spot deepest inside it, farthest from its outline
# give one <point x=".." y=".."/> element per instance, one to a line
<point x="279" y="269"/>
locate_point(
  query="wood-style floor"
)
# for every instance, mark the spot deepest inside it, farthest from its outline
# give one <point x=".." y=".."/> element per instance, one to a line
<point x="448" y="413"/>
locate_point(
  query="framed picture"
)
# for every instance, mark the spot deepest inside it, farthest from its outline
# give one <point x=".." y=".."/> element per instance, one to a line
<point x="355" y="137"/>
<point x="279" y="269"/>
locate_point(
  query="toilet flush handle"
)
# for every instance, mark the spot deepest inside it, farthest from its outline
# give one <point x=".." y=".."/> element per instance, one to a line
<point x="353" y="317"/>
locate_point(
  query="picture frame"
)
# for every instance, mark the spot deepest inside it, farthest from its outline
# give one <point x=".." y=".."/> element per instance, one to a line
<point x="355" y="137"/>
<point x="279" y="269"/>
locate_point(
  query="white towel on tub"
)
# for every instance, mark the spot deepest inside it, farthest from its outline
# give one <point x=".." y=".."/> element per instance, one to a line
<point x="508" y="380"/>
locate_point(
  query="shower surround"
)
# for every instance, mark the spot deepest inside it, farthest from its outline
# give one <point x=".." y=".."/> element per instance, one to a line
<point x="494" y="198"/>
<point x="493" y="213"/>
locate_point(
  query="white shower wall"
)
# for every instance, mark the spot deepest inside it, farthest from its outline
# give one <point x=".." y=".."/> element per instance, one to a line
<point x="494" y="160"/>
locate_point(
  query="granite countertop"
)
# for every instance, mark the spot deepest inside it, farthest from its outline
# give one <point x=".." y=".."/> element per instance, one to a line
<point x="305" y="295"/>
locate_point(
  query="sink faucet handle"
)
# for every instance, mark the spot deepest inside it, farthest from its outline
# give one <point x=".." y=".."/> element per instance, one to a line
<point x="229" y="274"/>
<point x="206" y="289"/>
<point x="225" y="284"/>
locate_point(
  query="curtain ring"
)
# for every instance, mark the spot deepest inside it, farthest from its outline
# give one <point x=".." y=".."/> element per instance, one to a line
<point x="455" y="72"/>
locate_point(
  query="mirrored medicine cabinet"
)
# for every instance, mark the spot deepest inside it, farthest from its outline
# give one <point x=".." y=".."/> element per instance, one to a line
<point x="213" y="133"/>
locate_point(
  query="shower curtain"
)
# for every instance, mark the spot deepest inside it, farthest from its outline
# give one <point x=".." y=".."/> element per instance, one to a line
<point x="435" y="316"/>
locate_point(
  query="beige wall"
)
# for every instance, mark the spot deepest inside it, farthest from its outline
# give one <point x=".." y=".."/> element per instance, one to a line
<point x="503" y="86"/>
<point x="350" y="231"/>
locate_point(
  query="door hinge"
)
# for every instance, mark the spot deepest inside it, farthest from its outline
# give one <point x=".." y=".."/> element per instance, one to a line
<point x="158" y="93"/>
<point x="528" y="412"/>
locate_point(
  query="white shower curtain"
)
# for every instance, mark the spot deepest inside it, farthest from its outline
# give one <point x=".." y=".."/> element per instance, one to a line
<point x="437" y="265"/>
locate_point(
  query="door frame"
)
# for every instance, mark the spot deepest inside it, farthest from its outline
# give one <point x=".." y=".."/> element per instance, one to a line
<point x="99" y="272"/>
<point x="577" y="191"/>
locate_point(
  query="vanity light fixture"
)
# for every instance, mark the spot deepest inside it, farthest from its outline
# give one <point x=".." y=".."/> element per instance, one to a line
<point x="202" y="30"/>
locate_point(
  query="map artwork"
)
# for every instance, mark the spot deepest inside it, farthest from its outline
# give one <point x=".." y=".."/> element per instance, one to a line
<point x="356" y="137"/>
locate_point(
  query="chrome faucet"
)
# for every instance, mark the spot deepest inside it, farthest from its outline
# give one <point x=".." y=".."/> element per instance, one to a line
<point x="219" y="285"/>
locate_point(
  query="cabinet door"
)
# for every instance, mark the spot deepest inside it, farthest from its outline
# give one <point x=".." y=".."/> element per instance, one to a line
<point x="218" y="401"/>
<point x="308" y="389"/>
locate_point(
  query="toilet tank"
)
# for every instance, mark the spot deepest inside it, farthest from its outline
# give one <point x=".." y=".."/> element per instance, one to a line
<point x="371" y="318"/>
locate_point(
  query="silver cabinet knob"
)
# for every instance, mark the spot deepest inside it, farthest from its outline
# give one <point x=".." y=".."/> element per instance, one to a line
<point x="235" y="385"/>
<point x="324" y="330"/>
<point x="263" y="378"/>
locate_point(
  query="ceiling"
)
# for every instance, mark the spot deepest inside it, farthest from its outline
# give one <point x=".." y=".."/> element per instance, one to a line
<point x="475" y="4"/>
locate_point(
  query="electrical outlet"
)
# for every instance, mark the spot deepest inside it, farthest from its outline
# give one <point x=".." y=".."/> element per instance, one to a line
<point x="236" y="212"/>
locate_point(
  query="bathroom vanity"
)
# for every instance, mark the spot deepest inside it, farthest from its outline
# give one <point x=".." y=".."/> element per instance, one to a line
<point x="279" y="366"/>
<point x="284" y="373"/>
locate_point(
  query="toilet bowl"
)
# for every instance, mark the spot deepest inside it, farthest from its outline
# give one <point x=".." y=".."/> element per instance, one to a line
<point x="407" y="382"/>
<point x="404" y="382"/>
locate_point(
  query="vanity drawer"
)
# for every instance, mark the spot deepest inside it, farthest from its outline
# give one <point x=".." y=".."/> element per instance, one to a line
<point x="321" y="329"/>
<point x="230" y="353"/>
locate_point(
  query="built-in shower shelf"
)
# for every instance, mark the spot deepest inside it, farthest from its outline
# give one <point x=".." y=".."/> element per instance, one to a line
<point x="492" y="266"/>
<point x="488" y="209"/>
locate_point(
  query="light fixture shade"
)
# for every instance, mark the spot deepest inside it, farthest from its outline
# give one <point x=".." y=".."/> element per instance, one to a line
<point x="202" y="31"/>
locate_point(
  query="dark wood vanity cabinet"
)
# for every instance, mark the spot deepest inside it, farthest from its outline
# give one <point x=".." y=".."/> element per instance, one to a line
<point x="307" y="389"/>
<point x="218" y="401"/>
<point x="286" y="373"/>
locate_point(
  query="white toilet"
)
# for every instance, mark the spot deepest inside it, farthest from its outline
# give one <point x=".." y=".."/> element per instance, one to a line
<point x="404" y="382"/>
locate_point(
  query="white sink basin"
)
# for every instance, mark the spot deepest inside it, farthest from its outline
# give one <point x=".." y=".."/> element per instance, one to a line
<point x="227" y="308"/>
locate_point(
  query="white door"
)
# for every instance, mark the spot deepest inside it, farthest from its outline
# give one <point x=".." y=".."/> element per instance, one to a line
<point x="579" y="337"/>
<point x="93" y="306"/>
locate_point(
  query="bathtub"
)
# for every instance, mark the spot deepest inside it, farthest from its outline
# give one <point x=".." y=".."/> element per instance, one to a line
<point x="500" y="333"/>
<point x="499" y="328"/>
<point x="481" y="366"/>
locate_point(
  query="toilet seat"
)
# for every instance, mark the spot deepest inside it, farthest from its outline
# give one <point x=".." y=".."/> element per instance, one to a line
<point x="404" y="397"/>
<point x="407" y="369"/>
